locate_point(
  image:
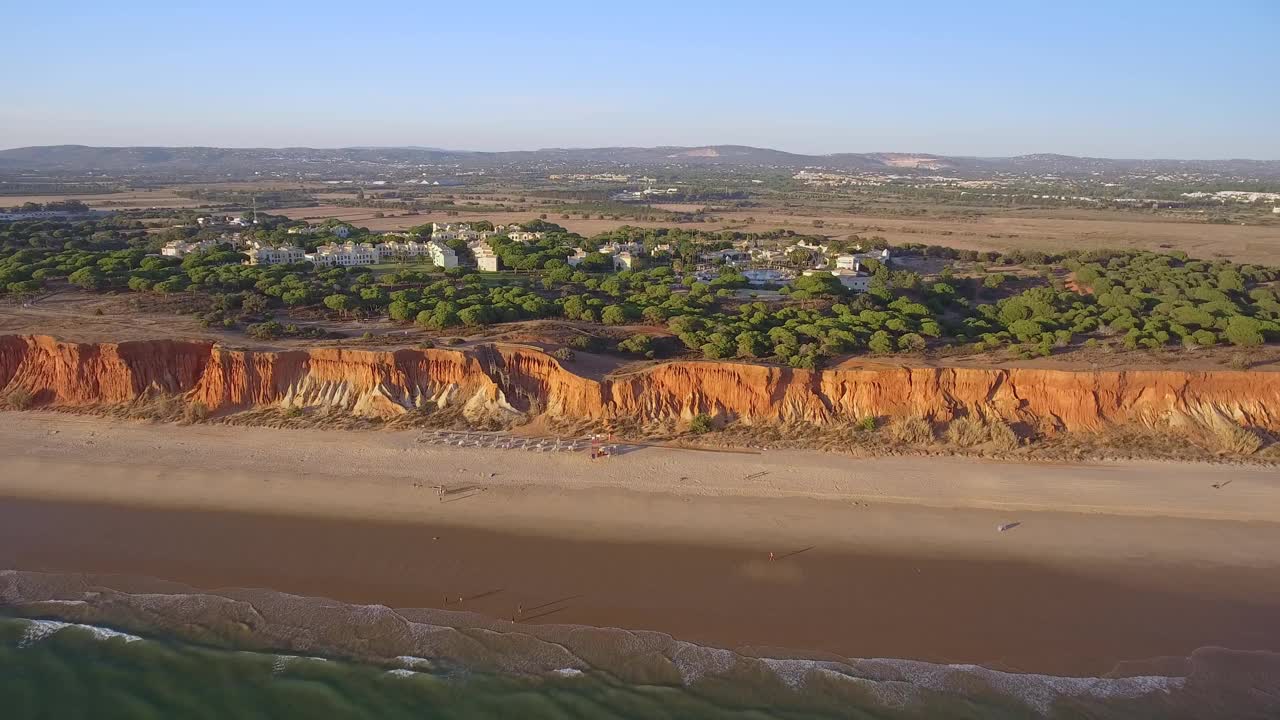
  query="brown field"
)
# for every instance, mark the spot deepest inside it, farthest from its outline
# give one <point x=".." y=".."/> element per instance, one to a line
<point x="1002" y="231"/>
<point x="989" y="229"/>
<point x="130" y="199"/>
<point x="398" y="220"/>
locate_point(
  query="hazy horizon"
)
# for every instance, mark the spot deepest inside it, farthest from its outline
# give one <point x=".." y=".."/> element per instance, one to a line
<point x="366" y="146"/>
<point x="1148" y="80"/>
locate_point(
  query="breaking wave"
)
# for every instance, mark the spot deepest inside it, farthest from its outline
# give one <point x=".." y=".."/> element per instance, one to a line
<point x="462" y="647"/>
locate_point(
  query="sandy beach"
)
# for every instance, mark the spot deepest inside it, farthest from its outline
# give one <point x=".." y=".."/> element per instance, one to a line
<point x="891" y="557"/>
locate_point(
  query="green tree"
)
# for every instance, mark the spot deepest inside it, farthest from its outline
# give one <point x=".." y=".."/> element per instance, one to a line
<point x="911" y="342"/>
<point x="880" y="342"/>
<point x="1244" y="331"/>
<point x="613" y="315"/>
<point x="339" y="303"/>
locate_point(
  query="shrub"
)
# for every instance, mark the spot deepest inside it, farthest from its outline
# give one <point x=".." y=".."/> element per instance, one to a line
<point x="1231" y="437"/>
<point x="867" y="424"/>
<point x="911" y="431"/>
<point x="967" y="432"/>
<point x="638" y="344"/>
<point x="196" y="412"/>
<point x="1238" y="361"/>
<point x="563" y="354"/>
<point x="268" y="330"/>
<point x="700" y="424"/>
<point x="1002" y="436"/>
<point x="19" y="399"/>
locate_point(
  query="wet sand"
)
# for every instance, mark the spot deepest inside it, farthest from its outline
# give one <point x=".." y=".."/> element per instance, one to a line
<point x="1146" y="564"/>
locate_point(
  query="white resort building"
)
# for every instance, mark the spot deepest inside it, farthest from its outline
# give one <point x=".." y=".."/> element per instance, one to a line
<point x="346" y="254"/>
<point x="522" y="236"/>
<point x="260" y="254"/>
<point x="181" y="248"/>
<point x="853" y="280"/>
<point x="486" y="258"/>
<point x="623" y="260"/>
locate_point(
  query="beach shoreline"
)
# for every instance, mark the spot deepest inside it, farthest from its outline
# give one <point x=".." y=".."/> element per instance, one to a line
<point x="894" y="557"/>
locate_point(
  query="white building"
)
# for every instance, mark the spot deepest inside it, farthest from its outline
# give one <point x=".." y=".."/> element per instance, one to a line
<point x="442" y="255"/>
<point x="401" y="250"/>
<point x="576" y="258"/>
<point x="486" y="258"/>
<point x="347" y="254"/>
<point x="881" y="256"/>
<point x="623" y="260"/>
<point x="847" y="262"/>
<point x="522" y="236"/>
<point x="851" y="279"/>
<point x="260" y="254"/>
<point x="181" y="248"/>
<point x="728" y="257"/>
<point x="455" y="231"/>
<point x="820" y="248"/>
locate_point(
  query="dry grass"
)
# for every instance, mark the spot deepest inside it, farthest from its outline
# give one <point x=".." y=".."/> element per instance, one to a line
<point x="911" y="431"/>
<point x="1002" y="436"/>
<point x="195" y="412"/>
<point x="966" y="432"/>
<point x="19" y="399"/>
<point x="1230" y="437"/>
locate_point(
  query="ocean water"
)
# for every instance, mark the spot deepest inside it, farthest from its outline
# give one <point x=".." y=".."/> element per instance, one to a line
<point x="71" y="649"/>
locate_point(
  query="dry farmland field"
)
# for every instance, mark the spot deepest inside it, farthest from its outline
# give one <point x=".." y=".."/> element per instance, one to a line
<point x="996" y="230"/>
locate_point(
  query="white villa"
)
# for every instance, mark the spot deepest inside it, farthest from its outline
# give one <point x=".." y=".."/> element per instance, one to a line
<point x="440" y="254"/>
<point x="576" y="258"/>
<point x="180" y="248"/>
<point x="729" y="257"/>
<point x="260" y="254"/>
<point x="848" y="262"/>
<point x="346" y="254"/>
<point x="340" y="231"/>
<point x="486" y="258"/>
<point x="522" y="236"/>
<point x="634" y="248"/>
<point x="623" y="260"/>
<point x="853" y="280"/>
<point x="399" y="249"/>
<point x="881" y="256"/>
<point x="454" y="231"/>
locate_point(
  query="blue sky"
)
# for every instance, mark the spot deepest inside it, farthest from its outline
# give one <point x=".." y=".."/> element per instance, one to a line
<point x="1115" y="79"/>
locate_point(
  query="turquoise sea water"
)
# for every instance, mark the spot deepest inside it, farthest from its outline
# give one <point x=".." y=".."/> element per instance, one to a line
<point x="67" y="653"/>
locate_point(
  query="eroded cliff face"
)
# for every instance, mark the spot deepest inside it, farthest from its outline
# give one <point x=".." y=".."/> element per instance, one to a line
<point x="520" y="382"/>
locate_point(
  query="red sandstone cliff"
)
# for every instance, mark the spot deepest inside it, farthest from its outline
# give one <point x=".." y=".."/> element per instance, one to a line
<point x="520" y="381"/>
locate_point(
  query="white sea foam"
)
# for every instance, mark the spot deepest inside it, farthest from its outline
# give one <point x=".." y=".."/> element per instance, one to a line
<point x="459" y="647"/>
<point x="38" y="630"/>
<point x="694" y="662"/>
<point x="409" y="661"/>
<point x="402" y="672"/>
<point x="898" y="682"/>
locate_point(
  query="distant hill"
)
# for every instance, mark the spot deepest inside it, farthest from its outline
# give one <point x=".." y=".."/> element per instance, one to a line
<point x="205" y="163"/>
